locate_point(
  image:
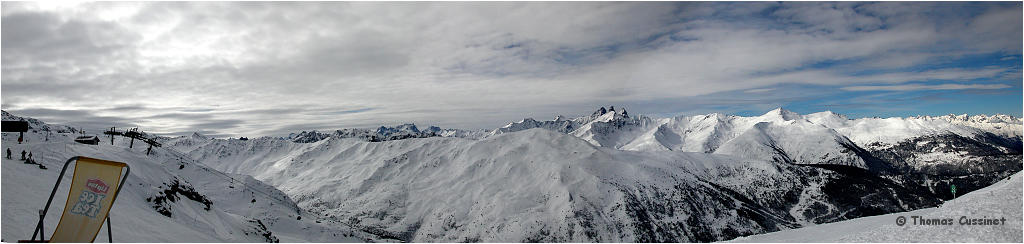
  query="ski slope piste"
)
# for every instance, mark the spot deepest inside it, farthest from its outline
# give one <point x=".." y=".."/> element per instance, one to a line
<point x="609" y="176"/>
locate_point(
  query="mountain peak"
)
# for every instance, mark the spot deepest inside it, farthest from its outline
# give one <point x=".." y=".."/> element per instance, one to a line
<point x="610" y="109"/>
<point x="196" y="135"/>
<point x="408" y="127"/>
<point x="783" y="114"/>
<point x="403" y="128"/>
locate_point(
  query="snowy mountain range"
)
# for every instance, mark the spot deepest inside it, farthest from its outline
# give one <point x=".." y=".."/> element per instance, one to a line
<point x="970" y="150"/>
<point x="608" y="176"/>
<point x="384" y="133"/>
<point x="541" y="185"/>
<point x="787" y="170"/>
<point x="38" y="126"/>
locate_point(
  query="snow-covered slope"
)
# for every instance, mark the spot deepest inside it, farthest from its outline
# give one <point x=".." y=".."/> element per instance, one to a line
<point x="795" y="141"/>
<point x="997" y="202"/>
<point x="542" y="185"/>
<point x="166" y="198"/>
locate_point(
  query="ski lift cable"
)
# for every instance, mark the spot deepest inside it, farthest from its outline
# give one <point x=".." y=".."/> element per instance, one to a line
<point x="245" y="186"/>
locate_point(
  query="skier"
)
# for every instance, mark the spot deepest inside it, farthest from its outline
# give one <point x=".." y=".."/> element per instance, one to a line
<point x="30" y="157"/>
<point x="8" y="153"/>
<point x="22" y="154"/>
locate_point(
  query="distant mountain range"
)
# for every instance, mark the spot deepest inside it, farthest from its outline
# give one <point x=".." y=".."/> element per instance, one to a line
<point x="616" y="176"/>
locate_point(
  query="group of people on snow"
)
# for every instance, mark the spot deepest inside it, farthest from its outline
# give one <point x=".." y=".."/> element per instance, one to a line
<point x="27" y="160"/>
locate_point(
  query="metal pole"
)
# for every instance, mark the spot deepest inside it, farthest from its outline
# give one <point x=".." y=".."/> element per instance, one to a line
<point x="42" y="233"/>
<point x="110" y="235"/>
<point x="39" y="227"/>
<point x="132" y="143"/>
<point x="127" y="170"/>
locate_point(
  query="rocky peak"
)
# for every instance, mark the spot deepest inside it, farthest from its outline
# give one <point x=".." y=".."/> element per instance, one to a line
<point x="600" y="112"/>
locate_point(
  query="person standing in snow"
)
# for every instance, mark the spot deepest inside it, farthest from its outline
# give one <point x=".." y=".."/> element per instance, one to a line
<point x="30" y="157"/>
<point x="8" y="153"/>
<point x="22" y="154"/>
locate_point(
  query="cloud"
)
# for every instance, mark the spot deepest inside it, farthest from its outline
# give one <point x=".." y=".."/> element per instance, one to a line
<point x="261" y="68"/>
<point x="32" y="37"/>
<point x="917" y="87"/>
<point x="759" y="90"/>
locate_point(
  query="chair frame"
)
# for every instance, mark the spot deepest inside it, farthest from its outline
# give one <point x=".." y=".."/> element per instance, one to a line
<point x="42" y="212"/>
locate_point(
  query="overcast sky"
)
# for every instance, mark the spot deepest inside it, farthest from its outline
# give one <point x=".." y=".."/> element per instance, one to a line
<point x="252" y="69"/>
